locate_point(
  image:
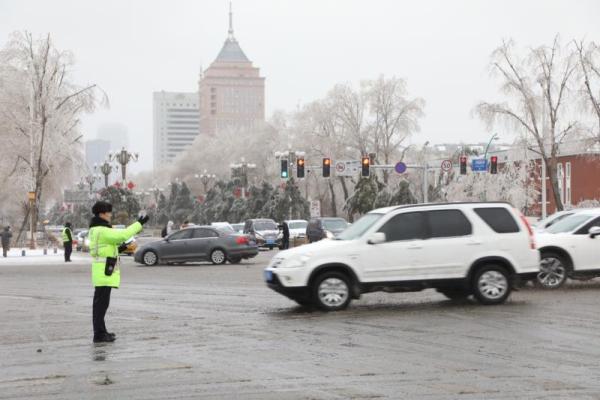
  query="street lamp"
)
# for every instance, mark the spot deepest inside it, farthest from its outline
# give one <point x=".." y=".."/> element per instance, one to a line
<point x="494" y="137"/>
<point x="90" y="179"/>
<point x="241" y="171"/>
<point x="106" y="169"/>
<point x="205" y="178"/>
<point x="123" y="157"/>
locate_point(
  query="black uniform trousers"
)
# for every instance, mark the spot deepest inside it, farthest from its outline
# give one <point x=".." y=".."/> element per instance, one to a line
<point x="68" y="250"/>
<point x="101" y="302"/>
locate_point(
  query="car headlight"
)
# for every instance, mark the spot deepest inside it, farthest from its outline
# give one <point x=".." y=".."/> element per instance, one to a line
<point x="86" y="242"/>
<point x="279" y="235"/>
<point x="296" y="262"/>
<point x="259" y="236"/>
<point x="329" y="235"/>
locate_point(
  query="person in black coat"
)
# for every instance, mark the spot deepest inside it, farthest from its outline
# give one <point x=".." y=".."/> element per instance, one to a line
<point x="285" y="241"/>
<point x="6" y="235"/>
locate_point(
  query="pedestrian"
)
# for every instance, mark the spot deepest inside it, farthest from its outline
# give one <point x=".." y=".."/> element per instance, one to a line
<point x="285" y="240"/>
<point x="6" y="235"/>
<point x="167" y="229"/>
<point x="67" y="238"/>
<point x="185" y="224"/>
<point x="105" y="245"/>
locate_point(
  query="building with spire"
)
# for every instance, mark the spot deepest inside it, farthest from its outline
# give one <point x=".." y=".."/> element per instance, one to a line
<point x="231" y="90"/>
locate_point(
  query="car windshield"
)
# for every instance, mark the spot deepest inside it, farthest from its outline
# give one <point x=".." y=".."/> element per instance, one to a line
<point x="551" y="220"/>
<point x="265" y="226"/>
<point x="357" y="229"/>
<point x="298" y="225"/>
<point x="568" y="224"/>
<point x="334" y="224"/>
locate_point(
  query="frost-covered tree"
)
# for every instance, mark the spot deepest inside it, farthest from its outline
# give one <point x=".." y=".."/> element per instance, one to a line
<point x="364" y="197"/>
<point x="538" y="90"/>
<point x="40" y="111"/>
<point x="588" y="56"/>
<point x="395" y="117"/>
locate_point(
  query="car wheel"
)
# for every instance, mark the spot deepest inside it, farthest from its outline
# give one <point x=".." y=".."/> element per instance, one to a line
<point x="491" y="285"/>
<point x="553" y="271"/>
<point x="150" y="258"/>
<point x="455" y="294"/>
<point x="331" y="291"/>
<point x="235" y="260"/>
<point x="218" y="256"/>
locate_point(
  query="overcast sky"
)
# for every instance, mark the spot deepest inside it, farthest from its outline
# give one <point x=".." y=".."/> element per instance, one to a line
<point x="303" y="47"/>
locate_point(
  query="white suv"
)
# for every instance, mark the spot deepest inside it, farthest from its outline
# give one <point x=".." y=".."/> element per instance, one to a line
<point x="457" y="248"/>
<point x="569" y="249"/>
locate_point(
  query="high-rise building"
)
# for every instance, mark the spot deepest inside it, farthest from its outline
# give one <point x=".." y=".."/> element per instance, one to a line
<point x="116" y="133"/>
<point x="176" y="126"/>
<point x="231" y="90"/>
<point x="96" y="152"/>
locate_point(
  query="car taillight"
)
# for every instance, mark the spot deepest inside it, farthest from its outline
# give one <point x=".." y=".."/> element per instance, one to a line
<point x="529" y="230"/>
<point x="242" y="240"/>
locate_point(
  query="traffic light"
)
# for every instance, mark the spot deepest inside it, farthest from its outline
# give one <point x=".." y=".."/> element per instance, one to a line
<point x="493" y="165"/>
<point x="300" y="167"/>
<point x="366" y="166"/>
<point x="284" y="169"/>
<point x="463" y="165"/>
<point x="326" y="167"/>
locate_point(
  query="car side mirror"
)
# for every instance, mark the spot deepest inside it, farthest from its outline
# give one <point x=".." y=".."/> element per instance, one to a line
<point x="376" y="238"/>
<point x="594" y="231"/>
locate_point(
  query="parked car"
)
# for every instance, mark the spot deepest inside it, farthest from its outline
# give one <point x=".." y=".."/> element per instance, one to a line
<point x="82" y="242"/>
<point x="265" y="232"/>
<point x="198" y="243"/>
<point x="238" y="228"/>
<point x="451" y="247"/>
<point x="569" y="249"/>
<point x="324" y="228"/>
<point x="297" y="228"/>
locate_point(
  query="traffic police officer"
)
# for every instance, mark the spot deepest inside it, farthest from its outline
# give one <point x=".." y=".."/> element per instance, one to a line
<point x="105" y="245"/>
<point x="67" y="238"/>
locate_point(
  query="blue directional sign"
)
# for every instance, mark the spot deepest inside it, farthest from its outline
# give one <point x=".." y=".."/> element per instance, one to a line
<point x="400" y="167"/>
<point x="479" y="165"/>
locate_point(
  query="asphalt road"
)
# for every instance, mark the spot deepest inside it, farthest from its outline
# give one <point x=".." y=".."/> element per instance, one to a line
<point x="216" y="332"/>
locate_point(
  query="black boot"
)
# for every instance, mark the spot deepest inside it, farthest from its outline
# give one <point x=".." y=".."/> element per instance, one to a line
<point x="103" y="338"/>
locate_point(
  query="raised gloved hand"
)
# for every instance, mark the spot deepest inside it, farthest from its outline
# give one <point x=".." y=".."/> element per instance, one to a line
<point x="122" y="247"/>
<point x="143" y="219"/>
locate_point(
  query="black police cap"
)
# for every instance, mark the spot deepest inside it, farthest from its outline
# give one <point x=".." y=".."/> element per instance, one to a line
<point x="101" y="207"/>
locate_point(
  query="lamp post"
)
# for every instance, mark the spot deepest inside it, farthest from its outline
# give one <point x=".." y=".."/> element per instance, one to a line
<point x="205" y="178"/>
<point x="90" y="179"/>
<point x="241" y="171"/>
<point x="123" y="157"/>
<point x="106" y="169"/>
<point x="494" y="137"/>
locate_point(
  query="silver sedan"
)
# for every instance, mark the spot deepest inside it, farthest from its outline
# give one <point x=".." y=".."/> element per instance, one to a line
<point x="198" y="243"/>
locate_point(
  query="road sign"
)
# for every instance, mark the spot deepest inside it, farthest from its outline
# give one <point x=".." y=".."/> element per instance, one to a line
<point x="479" y="165"/>
<point x="315" y="209"/>
<point x="446" y="165"/>
<point x="400" y="167"/>
<point x="347" y="167"/>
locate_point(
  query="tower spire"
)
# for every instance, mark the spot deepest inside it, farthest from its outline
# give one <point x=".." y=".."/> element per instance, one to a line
<point x="230" y="23"/>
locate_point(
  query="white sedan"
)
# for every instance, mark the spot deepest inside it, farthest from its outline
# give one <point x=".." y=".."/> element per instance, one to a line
<point x="569" y="249"/>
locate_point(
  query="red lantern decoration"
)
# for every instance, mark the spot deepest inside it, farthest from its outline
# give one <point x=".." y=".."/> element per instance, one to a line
<point x="130" y="185"/>
<point x="117" y="185"/>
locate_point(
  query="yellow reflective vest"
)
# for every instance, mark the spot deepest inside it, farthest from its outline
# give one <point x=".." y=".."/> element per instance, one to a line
<point x="104" y="242"/>
<point x="65" y="237"/>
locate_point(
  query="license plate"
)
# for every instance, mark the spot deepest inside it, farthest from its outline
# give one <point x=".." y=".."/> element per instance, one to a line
<point x="270" y="241"/>
<point x="268" y="276"/>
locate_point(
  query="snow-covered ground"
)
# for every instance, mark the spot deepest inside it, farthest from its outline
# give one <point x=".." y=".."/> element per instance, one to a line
<point x="15" y="256"/>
